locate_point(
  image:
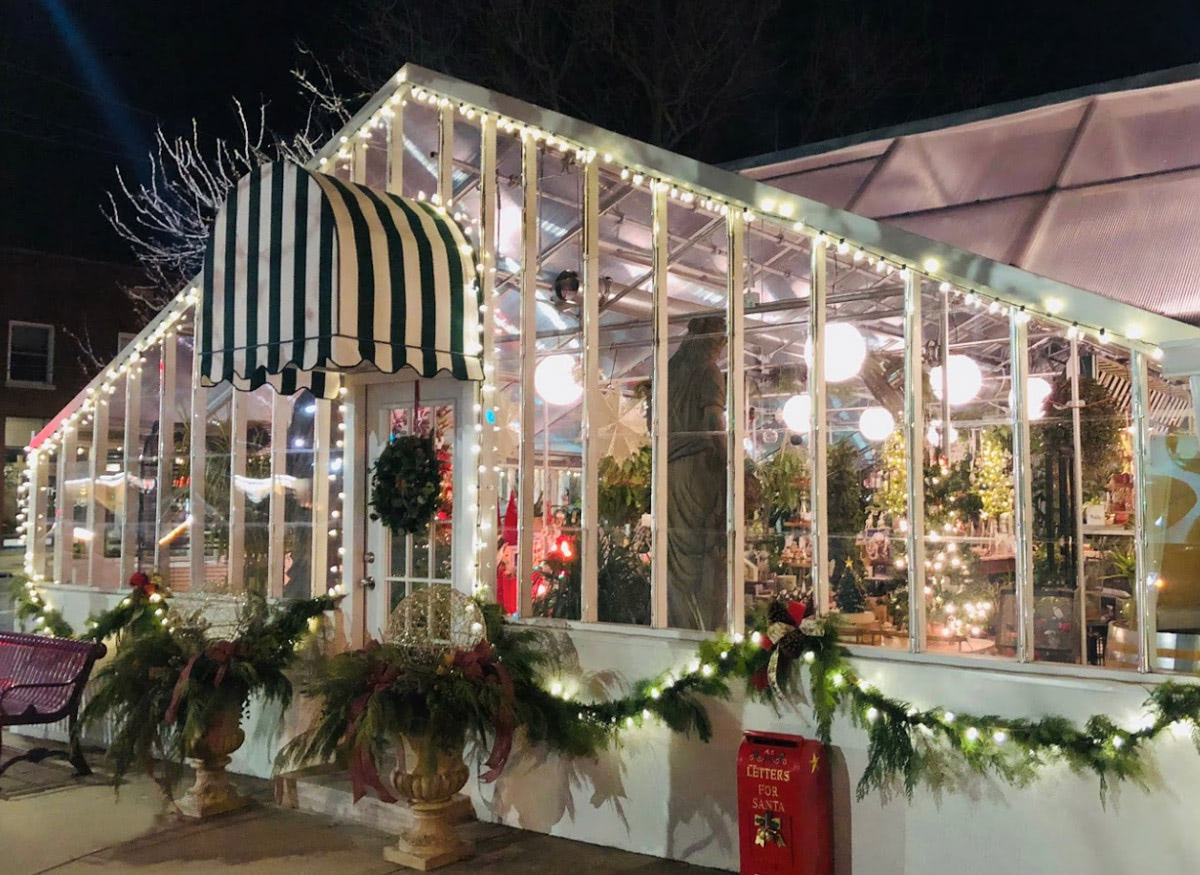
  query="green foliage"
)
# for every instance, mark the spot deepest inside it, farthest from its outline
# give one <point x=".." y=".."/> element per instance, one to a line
<point x="30" y="605"/>
<point x="783" y="483"/>
<point x="624" y="489"/>
<point x="136" y="688"/>
<point x="406" y="483"/>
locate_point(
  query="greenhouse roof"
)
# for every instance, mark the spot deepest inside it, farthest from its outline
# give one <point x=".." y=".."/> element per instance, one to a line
<point x="1096" y="187"/>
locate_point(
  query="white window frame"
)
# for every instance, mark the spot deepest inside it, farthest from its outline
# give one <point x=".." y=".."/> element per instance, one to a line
<point x="48" y="383"/>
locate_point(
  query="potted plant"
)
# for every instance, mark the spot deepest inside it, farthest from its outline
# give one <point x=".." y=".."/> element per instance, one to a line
<point x="451" y="673"/>
<point x="177" y="690"/>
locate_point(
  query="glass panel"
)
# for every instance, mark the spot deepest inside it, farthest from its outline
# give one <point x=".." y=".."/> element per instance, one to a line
<point x="697" y="450"/>
<point x="297" y="498"/>
<point x="865" y="463"/>
<point x="558" y="410"/>
<point x="50" y="508"/>
<point x="503" y="412"/>
<point x="76" y="494"/>
<point x="420" y="149"/>
<point x="141" y="467"/>
<point x="420" y="554"/>
<point x="624" y="485"/>
<point x="1173" y="524"/>
<point x="969" y="545"/>
<point x="215" y="489"/>
<point x="174" y="507"/>
<point x="256" y="487"/>
<point x="398" y="562"/>
<point x="110" y="492"/>
<point x="429" y="552"/>
<point x="778" y="475"/>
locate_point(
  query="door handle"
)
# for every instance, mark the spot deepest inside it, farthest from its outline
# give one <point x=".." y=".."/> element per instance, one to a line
<point x="367" y="582"/>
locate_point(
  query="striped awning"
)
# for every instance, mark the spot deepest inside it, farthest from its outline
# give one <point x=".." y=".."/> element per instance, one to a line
<point x="307" y="275"/>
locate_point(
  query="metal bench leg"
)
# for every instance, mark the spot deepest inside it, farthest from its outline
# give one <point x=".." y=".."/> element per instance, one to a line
<point x="76" y="757"/>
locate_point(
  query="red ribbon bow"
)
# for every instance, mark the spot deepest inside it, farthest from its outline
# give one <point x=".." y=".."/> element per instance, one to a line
<point x="220" y="652"/>
<point x="140" y="582"/>
<point x="480" y="664"/>
<point x="364" y="772"/>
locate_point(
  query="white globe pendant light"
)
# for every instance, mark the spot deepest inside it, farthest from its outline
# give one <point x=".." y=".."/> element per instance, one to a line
<point x="845" y="352"/>
<point x="965" y="379"/>
<point x="554" y="380"/>
<point x="876" y="423"/>
<point x="797" y="413"/>
<point x="1037" y="392"/>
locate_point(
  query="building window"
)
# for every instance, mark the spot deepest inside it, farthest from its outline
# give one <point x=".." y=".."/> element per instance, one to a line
<point x="30" y="354"/>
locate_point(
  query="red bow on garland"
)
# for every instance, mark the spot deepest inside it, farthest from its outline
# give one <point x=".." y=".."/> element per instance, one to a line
<point x="141" y="584"/>
<point x="782" y="621"/>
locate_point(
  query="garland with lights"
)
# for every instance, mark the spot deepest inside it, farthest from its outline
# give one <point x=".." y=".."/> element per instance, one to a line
<point x="406" y="483"/>
<point x="906" y="746"/>
<point x="142" y="610"/>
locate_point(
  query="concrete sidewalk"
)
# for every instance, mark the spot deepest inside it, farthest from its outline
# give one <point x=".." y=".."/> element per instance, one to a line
<point x="50" y="822"/>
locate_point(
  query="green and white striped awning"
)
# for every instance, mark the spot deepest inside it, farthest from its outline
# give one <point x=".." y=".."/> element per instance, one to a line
<point x="307" y="275"/>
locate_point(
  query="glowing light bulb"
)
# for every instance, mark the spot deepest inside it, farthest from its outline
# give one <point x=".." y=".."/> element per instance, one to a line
<point x="797" y="413"/>
<point x="876" y="423"/>
<point x="554" y="380"/>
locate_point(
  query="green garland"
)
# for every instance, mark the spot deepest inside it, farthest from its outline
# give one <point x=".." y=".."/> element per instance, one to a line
<point x="405" y="483"/>
<point x="142" y="610"/>
<point x="906" y="746"/>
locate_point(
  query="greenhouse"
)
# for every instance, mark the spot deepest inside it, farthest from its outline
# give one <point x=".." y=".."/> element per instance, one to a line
<point x="661" y="394"/>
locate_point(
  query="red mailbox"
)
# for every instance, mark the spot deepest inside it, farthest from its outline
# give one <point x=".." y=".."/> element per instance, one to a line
<point x="785" y="824"/>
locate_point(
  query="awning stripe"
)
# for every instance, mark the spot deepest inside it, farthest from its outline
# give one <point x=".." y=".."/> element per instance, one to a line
<point x="309" y="273"/>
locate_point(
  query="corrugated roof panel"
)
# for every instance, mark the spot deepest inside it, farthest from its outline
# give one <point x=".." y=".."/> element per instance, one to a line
<point x="1139" y="132"/>
<point x="1134" y="241"/>
<point x="995" y="158"/>
<point x="833" y="185"/>
<point x="988" y="229"/>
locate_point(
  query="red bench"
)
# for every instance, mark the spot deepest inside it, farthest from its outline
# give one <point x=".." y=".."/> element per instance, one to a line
<point x="41" y="681"/>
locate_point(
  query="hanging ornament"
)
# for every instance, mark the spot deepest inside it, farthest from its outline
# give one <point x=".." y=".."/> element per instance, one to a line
<point x="620" y="425"/>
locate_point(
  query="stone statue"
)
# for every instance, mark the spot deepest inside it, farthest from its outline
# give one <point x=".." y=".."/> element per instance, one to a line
<point x="696" y="470"/>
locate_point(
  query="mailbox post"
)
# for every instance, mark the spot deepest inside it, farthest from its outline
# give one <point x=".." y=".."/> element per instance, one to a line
<point x="785" y="823"/>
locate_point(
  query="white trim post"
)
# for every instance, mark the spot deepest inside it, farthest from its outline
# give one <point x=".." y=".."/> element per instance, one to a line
<point x="197" y="465"/>
<point x="488" y="474"/>
<point x="914" y="462"/>
<point x="395" y="148"/>
<point x="97" y="460"/>
<point x="1022" y="484"/>
<point x="818" y="436"/>
<point x="322" y="439"/>
<point x="529" y="269"/>
<point x="735" y="426"/>
<point x="281" y="416"/>
<point x="445" y="164"/>
<point x="236" y="563"/>
<point x="64" y="507"/>
<point x="659" y="496"/>
<point x="130" y="464"/>
<point x="590" y="307"/>
<point x="1144" y="590"/>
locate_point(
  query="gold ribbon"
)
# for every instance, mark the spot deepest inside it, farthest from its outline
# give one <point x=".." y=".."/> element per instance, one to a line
<point x="776" y="632"/>
<point x="769" y="829"/>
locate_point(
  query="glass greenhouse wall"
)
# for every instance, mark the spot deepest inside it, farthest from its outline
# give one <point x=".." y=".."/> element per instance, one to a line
<point x="700" y="394"/>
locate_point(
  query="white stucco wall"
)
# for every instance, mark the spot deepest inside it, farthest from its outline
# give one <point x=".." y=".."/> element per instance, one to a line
<point x="675" y="797"/>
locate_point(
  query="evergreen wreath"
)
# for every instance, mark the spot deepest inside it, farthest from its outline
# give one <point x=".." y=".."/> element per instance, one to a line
<point x="405" y="483"/>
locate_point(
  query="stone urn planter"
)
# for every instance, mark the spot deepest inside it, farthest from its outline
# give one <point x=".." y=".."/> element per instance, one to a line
<point x="428" y="779"/>
<point x="213" y="793"/>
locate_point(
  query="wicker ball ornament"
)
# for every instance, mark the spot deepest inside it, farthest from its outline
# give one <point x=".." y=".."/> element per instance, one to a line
<point x="435" y="621"/>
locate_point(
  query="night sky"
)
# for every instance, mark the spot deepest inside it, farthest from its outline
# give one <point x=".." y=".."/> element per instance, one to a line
<point x="83" y="84"/>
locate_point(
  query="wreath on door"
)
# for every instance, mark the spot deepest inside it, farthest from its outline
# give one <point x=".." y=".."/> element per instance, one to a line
<point x="405" y="483"/>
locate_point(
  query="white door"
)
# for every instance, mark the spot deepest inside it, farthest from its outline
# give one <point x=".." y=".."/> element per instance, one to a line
<point x="402" y="563"/>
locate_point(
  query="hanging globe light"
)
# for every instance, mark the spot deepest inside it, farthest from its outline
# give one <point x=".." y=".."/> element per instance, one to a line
<point x="554" y="380"/>
<point x="845" y="352"/>
<point x="797" y="413"/>
<point x="965" y="379"/>
<point x="1037" y="393"/>
<point x="876" y="423"/>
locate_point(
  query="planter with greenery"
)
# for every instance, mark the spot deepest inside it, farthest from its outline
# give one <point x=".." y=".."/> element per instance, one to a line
<point x="177" y="691"/>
